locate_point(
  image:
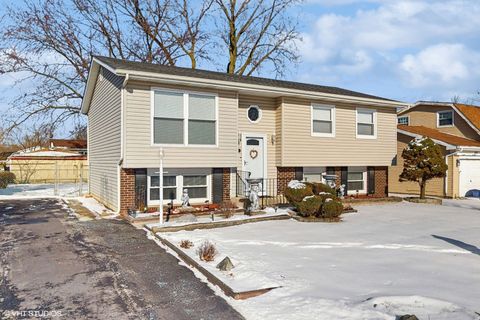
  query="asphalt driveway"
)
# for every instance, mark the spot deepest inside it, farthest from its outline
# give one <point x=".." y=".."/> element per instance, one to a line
<point x="54" y="266"/>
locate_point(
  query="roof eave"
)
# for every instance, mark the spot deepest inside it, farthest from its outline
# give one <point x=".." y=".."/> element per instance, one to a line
<point x="440" y="142"/>
<point x="444" y="104"/>
<point x="231" y="85"/>
<point x="93" y="73"/>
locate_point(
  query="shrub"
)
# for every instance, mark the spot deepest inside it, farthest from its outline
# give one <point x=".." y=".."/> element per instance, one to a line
<point x="331" y="209"/>
<point x="321" y="189"/>
<point x="6" y="178"/>
<point x="186" y="244"/>
<point x="227" y="208"/>
<point x="309" y="206"/>
<point x="297" y="191"/>
<point x="207" y="251"/>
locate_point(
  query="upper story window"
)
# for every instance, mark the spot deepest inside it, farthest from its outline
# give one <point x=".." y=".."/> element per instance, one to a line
<point x="366" y="123"/>
<point x="445" y="118"/>
<point x="403" y="120"/>
<point x="323" y="120"/>
<point x="201" y="119"/>
<point x="168" y="117"/>
<point x="181" y="118"/>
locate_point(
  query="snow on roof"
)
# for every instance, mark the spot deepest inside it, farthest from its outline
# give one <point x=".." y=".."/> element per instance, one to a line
<point x="45" y="154"/>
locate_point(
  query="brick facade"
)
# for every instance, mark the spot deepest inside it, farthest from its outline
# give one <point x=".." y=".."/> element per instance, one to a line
<point x="284" y="176"/>
<point x="127" y="190"/>
<point x="381" y="181"/>
<point x="226" y="184"/>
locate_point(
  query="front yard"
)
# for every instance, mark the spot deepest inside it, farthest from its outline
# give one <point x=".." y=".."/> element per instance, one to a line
<point x="383" y="261"/>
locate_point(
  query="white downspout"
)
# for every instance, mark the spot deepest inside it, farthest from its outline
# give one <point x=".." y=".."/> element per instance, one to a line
<point x="122" y="139"/>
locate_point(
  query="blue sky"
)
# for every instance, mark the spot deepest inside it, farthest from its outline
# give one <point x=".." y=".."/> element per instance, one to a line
<point x="402" y="49"/>
<point x="407" y="50"/>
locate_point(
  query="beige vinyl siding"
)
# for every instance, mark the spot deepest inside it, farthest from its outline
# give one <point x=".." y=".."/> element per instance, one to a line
<point x="427" y="116"/>
<point x="104" y="138"/>
<point x="266" y="126"/>
<point x="345" y="149"/>
<point x="435" y="187"/>
<point x="278" y="133"/>
<point x="453" y="177"/>
<point x="139" y="152"/>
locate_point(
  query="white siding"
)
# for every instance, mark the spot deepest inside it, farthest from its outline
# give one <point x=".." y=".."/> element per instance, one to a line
<point x="104" y="138"/>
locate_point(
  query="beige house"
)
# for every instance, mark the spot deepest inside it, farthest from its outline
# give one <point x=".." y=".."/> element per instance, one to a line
<point x="216" y="129"/>
<point x="456" y="128"/>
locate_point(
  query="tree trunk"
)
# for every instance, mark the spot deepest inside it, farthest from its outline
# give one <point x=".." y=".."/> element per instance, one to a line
<point x="423" y="185"/>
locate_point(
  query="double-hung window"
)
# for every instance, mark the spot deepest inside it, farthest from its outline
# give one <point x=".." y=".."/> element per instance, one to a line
<point x="182" y="118"/>
<point x="196" y="185"/>
<point x="201" y="119"/>
<point x="445" y="118"/>
<point x="169" y="188"/>
<point x="403" y="120"/>
<point x="168" y="115"/>
<point x="366" y="123"/>
<point x="356" y="179"/>
<point x="323" y="120"/>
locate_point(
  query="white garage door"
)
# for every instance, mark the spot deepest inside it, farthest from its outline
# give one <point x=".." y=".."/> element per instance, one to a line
<point x="469" y="175"/>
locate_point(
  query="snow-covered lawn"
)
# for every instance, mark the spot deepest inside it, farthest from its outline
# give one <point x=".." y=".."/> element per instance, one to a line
<point x="41" y="190"/>
<point x="383" y="261"/>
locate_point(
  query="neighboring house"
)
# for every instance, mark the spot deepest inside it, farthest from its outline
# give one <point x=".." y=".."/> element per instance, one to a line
<point x="214" y="127"/>
<point x="456" y="128"/>
<point x="73" y="145"/>
<point x="48" y="166"/>
<point x="5" y="152"/>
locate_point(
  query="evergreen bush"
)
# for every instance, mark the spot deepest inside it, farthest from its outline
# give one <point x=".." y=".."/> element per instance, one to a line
<point x="6" y="177"/>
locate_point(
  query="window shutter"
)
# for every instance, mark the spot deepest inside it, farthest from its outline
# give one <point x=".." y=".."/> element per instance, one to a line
<point x="371" y="180"/>
<point x="299" y="173"/>
<point x="217" y="185"/>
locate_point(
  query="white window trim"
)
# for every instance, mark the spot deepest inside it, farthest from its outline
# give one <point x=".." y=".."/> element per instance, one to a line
<point x="180" y="187"/>
<point x="185" y="93"/>
<point x="362" y="136"/>
<point x="363" y="170"/>
<point x="332" y="114"/>
<point x="259" y="113"/>
<point x="448" y="125"/>
<point x="408" y="120"/>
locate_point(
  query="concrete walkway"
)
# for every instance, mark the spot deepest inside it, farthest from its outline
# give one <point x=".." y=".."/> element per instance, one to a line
<point x="104" y="269"/>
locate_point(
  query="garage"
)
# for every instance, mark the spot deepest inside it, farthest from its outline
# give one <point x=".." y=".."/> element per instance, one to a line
<point x="469" y="176"/>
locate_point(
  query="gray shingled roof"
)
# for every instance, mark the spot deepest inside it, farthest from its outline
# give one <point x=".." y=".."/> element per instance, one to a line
<point x="197" y="73"/>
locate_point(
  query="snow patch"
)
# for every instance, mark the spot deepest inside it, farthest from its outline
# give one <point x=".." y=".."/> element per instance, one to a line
<point x="295" y="184"/>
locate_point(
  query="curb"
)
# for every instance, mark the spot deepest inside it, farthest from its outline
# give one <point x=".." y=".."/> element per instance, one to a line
<point x="218" y="224"/>
<point x="211" y="277"/>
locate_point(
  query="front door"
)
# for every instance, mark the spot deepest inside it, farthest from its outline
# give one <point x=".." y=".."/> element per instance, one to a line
<point x="253" y="156"/>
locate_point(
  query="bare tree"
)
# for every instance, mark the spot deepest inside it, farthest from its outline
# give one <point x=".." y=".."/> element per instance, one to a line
<point x="49" y="44"/>
<point x="79" y="132"/>
<point x="257" y="33"/>
<point x="38" y="138"/>
<point x="187" y="28"/>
